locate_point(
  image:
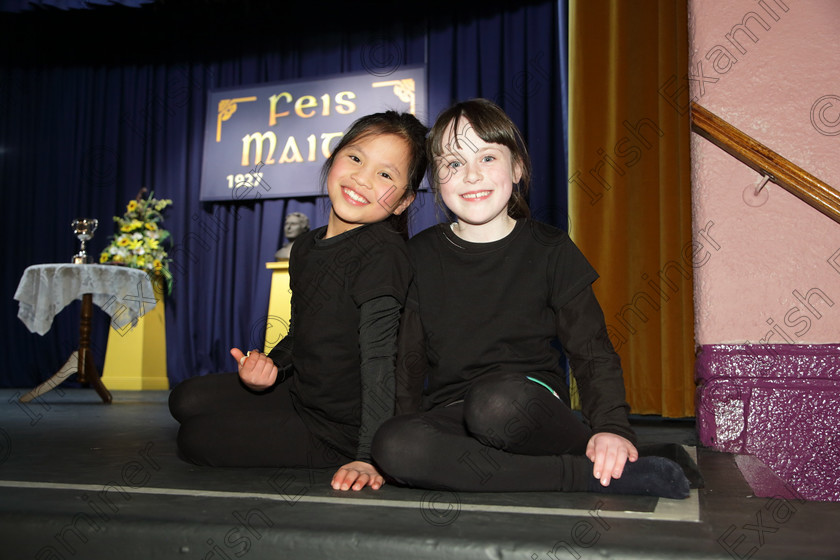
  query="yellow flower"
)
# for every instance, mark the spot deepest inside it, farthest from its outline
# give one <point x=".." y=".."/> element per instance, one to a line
<point x="131" y="226"/>
<point x="140" y="238"/>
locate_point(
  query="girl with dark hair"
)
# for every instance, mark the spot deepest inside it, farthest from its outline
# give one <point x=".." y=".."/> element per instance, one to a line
<point x="490" y="293"/>
<point x="318" y="397"/>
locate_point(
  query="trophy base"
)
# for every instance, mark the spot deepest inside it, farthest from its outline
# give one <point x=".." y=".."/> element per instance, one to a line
<point x="81" y="259"/>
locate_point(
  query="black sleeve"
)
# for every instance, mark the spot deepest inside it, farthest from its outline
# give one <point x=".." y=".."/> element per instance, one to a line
<point x="412" y="363"/>
<point x="595" y="365"/>
<point x="378" y="324"/>
<point x="281" y="354"/>
<point x="383" y="265"/>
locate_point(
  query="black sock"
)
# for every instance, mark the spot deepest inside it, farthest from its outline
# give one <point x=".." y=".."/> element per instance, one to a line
<point x="679" y="455"/>
<point x="648" y="476"/>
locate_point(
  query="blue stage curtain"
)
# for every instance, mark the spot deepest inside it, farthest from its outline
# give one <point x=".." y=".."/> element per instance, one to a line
<point x="24" y="5"/>
<point x="86" y="127"/>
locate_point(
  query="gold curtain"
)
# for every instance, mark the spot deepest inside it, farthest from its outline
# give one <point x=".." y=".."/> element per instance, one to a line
<point x="629" y="188"/>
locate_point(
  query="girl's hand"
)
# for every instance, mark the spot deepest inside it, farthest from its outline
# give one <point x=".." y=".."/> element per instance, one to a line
<point x="256" y="370"/>
<point x="357" y="475"/>
<point x="609" y="452"/>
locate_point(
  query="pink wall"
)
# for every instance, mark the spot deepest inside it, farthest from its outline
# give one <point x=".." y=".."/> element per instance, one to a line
<point x="773" y="274"/>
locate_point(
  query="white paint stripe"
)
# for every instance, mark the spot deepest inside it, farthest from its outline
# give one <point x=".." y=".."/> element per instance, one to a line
<point x="687" y="510"/>
<point x="679" y="510"/>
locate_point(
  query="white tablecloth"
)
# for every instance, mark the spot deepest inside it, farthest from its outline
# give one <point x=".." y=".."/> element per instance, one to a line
<point x="126" y="294"/>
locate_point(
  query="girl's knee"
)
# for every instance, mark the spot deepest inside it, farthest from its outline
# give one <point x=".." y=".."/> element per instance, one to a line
<point x="503" y="410"/>
<point x="202" y="394"/>
<point x="194" y="445"/>
<point x="398" y="445"/>
<point x="390" y="435"/>
<point x="490" y="402"/>
<point x="179" y="400"/>
<point x="497" y="388"/>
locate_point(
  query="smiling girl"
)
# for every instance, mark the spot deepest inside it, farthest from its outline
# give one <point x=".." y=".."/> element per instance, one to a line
<point x="317" y="399"/>
<point x="491" y="291"/>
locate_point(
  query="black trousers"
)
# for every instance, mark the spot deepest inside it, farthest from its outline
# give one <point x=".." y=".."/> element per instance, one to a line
<point x="508" y="434"/>
<point x="225" y="424"/>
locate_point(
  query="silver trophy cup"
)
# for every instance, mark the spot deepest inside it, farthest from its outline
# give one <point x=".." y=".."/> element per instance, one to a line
<point x="83" y="228"/>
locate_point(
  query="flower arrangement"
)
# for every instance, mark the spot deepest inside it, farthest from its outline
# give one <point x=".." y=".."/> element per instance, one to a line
<point x="139" y="240"/>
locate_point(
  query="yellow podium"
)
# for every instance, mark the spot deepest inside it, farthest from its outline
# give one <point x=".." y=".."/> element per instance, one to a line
<point x="135" y="358"/>
<point x="279" y="304"/>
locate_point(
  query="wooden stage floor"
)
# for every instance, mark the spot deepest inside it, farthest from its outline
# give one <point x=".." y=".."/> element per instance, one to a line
<point x="80" y="479"/>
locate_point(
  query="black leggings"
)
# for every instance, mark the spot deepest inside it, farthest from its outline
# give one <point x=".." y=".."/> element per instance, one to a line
<point x="508" y="434"/>
<point x="224" y="424"/>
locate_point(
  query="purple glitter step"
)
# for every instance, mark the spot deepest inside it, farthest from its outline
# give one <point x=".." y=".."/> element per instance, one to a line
<point x="779" y="402"/>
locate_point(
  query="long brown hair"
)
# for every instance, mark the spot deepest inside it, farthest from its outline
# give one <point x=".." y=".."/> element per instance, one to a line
<point x="492" y="125"/>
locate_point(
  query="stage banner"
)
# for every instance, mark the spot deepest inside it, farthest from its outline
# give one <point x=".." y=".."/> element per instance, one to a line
<point x="270" y="140"/>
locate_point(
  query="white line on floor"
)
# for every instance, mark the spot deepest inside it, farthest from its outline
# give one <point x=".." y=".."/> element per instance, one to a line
<point x="687" y="510"/>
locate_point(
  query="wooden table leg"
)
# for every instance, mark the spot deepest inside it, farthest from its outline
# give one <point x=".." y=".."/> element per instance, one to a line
<point x="70" y="367"/>
<point x="87" y="368"/>
<point x="80" y="362"/>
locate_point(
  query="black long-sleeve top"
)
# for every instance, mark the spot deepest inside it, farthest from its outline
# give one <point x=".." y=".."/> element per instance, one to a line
<point x="478" y="308"/>
<point x="340" y="351"/>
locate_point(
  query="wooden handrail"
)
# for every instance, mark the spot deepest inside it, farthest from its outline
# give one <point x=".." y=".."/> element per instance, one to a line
<point x="781" y="171"/>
